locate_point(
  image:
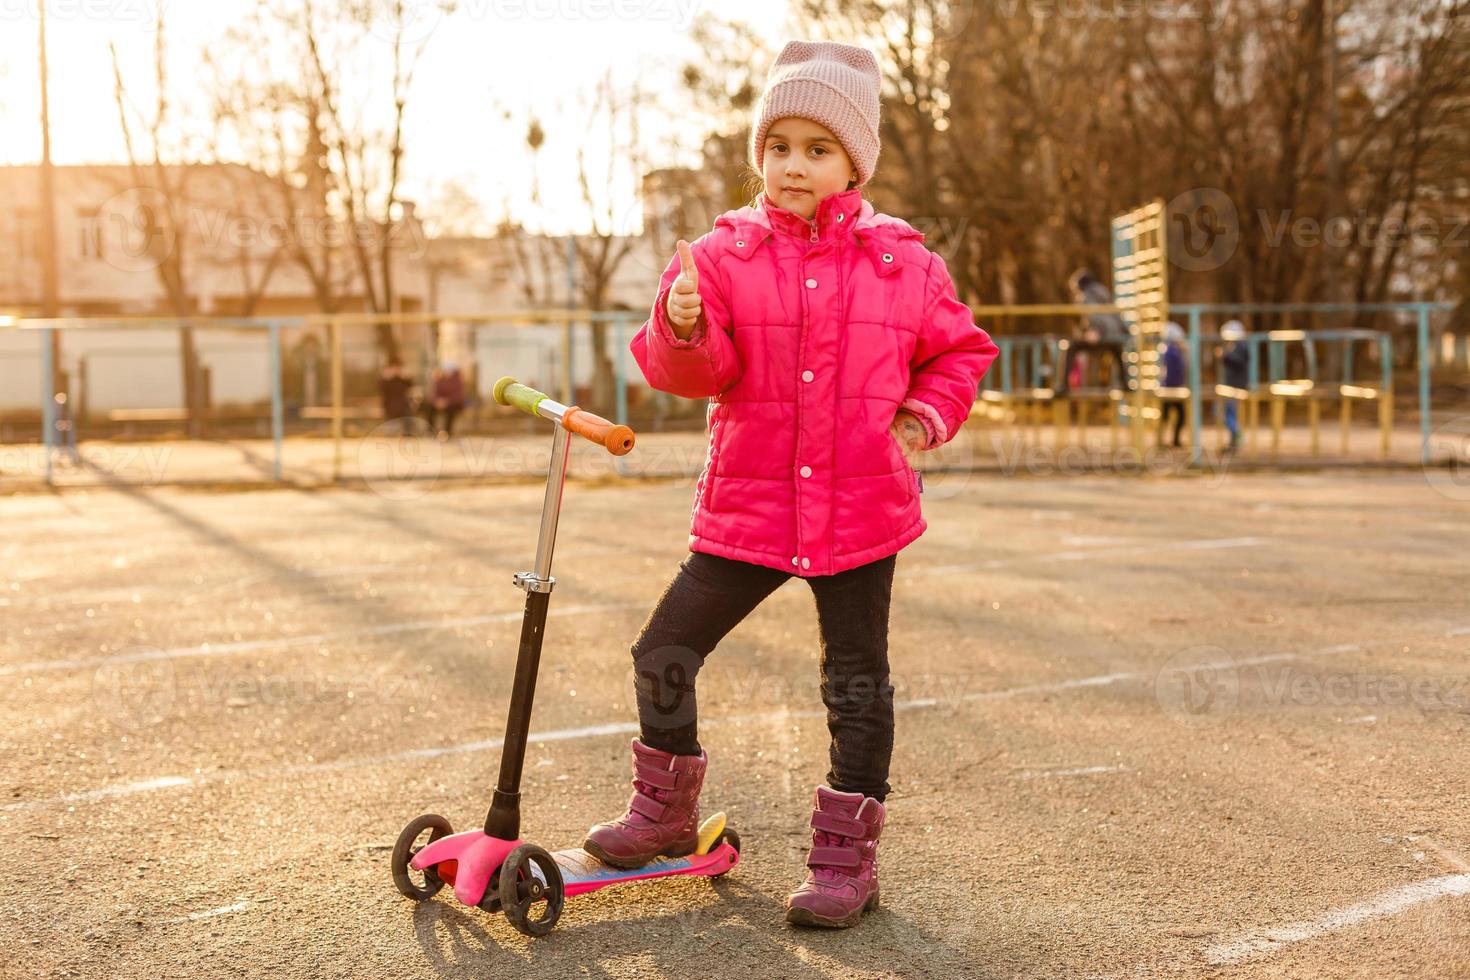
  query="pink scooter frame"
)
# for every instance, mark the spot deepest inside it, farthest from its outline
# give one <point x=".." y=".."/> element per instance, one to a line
<point x="477" y="856"/>
<point x="494" y="869"/>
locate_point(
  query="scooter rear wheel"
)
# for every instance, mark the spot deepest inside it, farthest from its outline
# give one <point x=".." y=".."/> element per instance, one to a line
<point x="406" y="848"/>
<point x="522" y="891"/>
<point x="727" y="836"/>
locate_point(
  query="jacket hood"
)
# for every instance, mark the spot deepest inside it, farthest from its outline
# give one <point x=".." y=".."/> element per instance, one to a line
<point x="765" y="218"/>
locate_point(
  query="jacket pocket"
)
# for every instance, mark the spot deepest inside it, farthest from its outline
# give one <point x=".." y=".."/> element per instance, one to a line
<point x="895" y="449"/>
<point x="912" y="479"/>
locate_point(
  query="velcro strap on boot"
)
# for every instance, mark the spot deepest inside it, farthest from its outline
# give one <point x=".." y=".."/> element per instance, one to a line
<point x="834" y="857"/>
<point x="648" y="806"/>
<point x="662" y="778"/>
<point x="836" y="823"/>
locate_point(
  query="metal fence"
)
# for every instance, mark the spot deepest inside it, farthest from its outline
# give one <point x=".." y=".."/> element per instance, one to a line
<point x="550" y="349"/>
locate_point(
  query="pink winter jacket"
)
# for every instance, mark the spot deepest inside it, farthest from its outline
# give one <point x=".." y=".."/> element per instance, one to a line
<point x="813" y="335"/>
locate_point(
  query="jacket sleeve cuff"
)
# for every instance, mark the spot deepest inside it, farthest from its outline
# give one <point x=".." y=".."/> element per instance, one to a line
<point x="933" y="423"/>
<point x="666" y="332"/>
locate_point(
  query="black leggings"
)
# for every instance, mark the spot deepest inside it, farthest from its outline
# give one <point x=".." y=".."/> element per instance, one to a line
<point x="710" y="595"/>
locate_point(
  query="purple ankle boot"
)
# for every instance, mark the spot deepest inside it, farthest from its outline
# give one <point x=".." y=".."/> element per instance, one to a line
<point x="842" y="876"/>
<point x="662" y="816"/>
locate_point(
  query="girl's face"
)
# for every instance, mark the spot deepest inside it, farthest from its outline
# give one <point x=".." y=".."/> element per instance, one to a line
<point x="802" y="163"/>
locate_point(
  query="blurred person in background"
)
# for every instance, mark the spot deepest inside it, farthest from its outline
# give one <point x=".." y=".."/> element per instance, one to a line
<point x="1099" y="331"/>
<point x="446" y="399"/>
<point x="1173" y="376"/>
<point x="394" y="386"/>
<point x="1235" y="357"/>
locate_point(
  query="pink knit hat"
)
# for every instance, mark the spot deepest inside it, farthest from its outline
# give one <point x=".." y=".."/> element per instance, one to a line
<point x="829" y="83"/>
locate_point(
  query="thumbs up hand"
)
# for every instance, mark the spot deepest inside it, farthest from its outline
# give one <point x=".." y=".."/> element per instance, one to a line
<point x="684" y="305"/>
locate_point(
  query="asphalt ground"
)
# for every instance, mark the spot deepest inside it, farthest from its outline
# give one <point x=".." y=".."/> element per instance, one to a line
<point x="1192" y="726"/>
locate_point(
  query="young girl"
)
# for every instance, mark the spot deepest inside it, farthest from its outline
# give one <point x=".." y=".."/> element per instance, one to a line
<point x="831" y="346"/>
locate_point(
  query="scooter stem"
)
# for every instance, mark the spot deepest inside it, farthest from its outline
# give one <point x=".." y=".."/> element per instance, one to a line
<point x="504" y="819"/>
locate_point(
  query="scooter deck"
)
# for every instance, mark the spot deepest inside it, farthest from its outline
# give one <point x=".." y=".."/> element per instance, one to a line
<point x="581" y="872"/>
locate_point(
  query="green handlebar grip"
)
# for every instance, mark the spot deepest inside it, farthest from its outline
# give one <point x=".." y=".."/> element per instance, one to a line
<point x="616" y="439"/>
<point x="509" y="391"/>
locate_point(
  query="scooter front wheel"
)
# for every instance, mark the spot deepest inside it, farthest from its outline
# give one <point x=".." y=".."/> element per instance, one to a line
<point x="531" y="889"/>
<point x="407" y="846"/>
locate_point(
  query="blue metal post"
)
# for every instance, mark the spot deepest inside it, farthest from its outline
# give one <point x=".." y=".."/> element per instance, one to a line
<point x="570" y="395"/>
<point x="618" y="375"/>
<point x="1424" y="358"/>
<point x="1004" y="343"/>
<point x="1196" y="405"/>
<point x="621" y="384"/>
<point x="1122" y="247"/>
<point x="48" y="396"/>
<point x="276" y="408"/>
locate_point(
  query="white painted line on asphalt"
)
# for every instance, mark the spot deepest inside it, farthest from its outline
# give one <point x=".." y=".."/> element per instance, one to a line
<point x="561" y="735"/>
<point x="1101" y="680"/>
<point x="81" y="597"/>
<point x="616" y="728"/>
<point x="1380" y="906"/>
<point x="285" y="643"/>
<point x="128" y="789"/>
<point x="190" y="594"/>
<point x="1149" y="548"/>
<point x="196" y="916"/>
<point x="1095" y="540"/>
<point x="331" y="571"/>
<point x="1067" y="773"/>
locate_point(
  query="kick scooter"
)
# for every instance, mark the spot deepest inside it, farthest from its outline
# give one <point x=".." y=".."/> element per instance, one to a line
<point x="494" y="869"/>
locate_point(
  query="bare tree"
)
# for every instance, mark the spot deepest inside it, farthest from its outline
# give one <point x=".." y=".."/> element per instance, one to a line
<point x="605" y="246"/>
<point x="330" y="135"/>
<point x="597" y="253"/>
<point x="535" y="257"/>
<point x="1321" y="128"/>
<point x="160" y="212"/>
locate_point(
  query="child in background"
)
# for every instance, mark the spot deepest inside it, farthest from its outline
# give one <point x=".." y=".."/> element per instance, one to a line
<point x="1174" y="376"/>
<point x="1236" y="359"/>
<point x="831" y="345"/>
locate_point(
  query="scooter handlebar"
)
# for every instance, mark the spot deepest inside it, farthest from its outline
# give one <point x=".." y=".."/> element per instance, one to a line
<point x="616" y="439"/>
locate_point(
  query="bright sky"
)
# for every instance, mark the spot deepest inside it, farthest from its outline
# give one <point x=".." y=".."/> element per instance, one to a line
<point x="527" y="55"/>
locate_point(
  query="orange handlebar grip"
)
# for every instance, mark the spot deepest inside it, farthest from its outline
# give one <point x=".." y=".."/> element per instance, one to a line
<point x="616" y="439"/>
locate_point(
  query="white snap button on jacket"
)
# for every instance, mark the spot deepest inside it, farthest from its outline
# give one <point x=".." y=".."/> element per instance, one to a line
<point x="806" y="471"/>
<point x="807" y="376"/>
<point x="811" y="284"/>
<point x="887" y="257"/>
<point x="739" y="244"/>
<point x="793" y="559"/>
<point x="841" y="216"/>
<point x="806" y="563"/>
